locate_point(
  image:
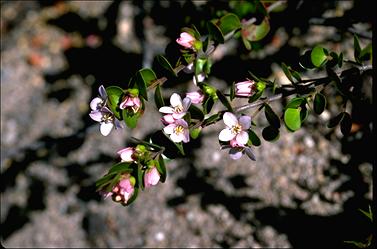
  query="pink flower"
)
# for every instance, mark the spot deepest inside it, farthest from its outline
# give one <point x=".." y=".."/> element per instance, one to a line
<point x="126" y="154"/>
<point x="245" y="88"/>
<point x="122" y="191"/>
<point x="151" y="177"/>
<point x="186" y="40"/>
<point x="196" y="97"/>
<point x="178" y="131"/>
<point x="236" y="128"/>
<point x="133" y="102"/>
<point x="107" y="120"/>
<point x="201" y="78"/>
<point x="178" y="107"/>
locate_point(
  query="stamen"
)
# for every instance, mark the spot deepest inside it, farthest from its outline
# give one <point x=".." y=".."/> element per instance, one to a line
<point x="107" y="118"/>
<point x="178" y="108"/>
<point x="236" y="129"/>
<point x="178" y="129"/>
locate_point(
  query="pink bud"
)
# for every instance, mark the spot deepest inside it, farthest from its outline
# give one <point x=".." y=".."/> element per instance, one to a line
<point x="133" y="102"/>
<point x="151" y="177"/>
<point x="245" y="88"/>
<point x="196" y="97"/>
<point x="126" y="154"/>
<point x="186" y="40"/>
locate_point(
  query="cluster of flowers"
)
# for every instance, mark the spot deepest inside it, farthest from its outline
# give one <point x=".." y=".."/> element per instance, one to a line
<point x="102" y="113"/>
<point x="124" y="189"/>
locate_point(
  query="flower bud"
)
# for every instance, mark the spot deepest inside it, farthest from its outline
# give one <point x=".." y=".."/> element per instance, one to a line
<point x="245" y="88"/>
<point x="186" y="40"/>
<point x="151" y="177"/>
<point x="196" y="97"/>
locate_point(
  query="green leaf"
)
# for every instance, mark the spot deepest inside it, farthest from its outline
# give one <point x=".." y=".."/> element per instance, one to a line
<point x="224" y="100"/>
<point x="319" y="103"/>
<point x="140" y="177"/>
<point x="255" y="78"/>
<point x="255" y="96"/>
<point x="106" y="179"/>
<point x="144" y="78"/>
<point x="318" y="56"/>
<point x="208" y="104"/>
<point x="366" y="53"/>
<point x="287" y="72"/>
<point x="270" y="134"/>
<point x="114" y="94"/>
<point x="357" y="48"/>
<point x="340" y="60"/>
<point x="165" y="64"/>
<point x="212" y="119"/>
<point x="215" y="32"/>
<point x="232" y="91"/>
<point x="292" y="119"/>
<point x="335" y="120"/>
<point x="254" y="32"/>
<point x="161" y="168"/>
<point x="346" y="124"/>
<point x="254" y="138"/>
<point x="367" y="214"/>
<point x="305" y="60"/>
<point x="158" y="99"/>
<point x="194" y="133"/>
<point x="199" y="65"/>
<point x="296" y="102"/>
<point x="228" y="23"/>
<point x="121" y="167"/>
<point x="271" y="116"/>
<point x="131" y="118"/>
<point x="196" y="113"/>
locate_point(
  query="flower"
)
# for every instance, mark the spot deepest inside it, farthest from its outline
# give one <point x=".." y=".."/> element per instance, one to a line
<point x="123" y="190"/>
<point x="178" y="107"/>
<point x="186" y="40"/>
<point x="196" y="97"/>
<point x="245" y="88"/>
<point x="129" y="101"/>
<point x="126" y="154"/>
<point x="178" y="131"/>
<point x="236" y="152"/>
<point x="151" y="177"/>
<point x="106" y="119"/>
<point x="236" y="129"/>
<point x="99" y="102"/>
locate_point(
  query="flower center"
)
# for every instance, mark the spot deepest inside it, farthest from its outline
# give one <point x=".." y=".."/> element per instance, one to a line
<point x="178" y="108"/>
<point x="178" y="129"/>
<point x="236" y="129"/>
<point x="107" y="118"/>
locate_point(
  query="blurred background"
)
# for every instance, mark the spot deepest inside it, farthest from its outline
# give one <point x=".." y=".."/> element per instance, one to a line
<point x="304" y="190"/>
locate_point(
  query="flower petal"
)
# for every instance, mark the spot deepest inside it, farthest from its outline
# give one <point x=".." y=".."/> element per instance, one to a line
<point x="186" y="104"/>
<point x="182" y="122"/>
<point x="96" y="115"/>
<point x="102" y="92"/>
<point x="230" y="119"/>
<point x="176" y="138"/>
<point x="118" y="124"/>
<point x="106" y="128"/>
<point x="168" y="119"/>
<point x="242" y="137"/>
<point x="126" y="154"/>
<point x="186" y="136"/>
<point x="175" y="100"/>
<point x="95" y="104"/>
<point x="166" y="109"/>
<point x="226" y="135"/>
<point x="245" y="122"/>
<point x="169" y="129"/>
<point x="235" y="153"/>
<point x="178" y="115"/>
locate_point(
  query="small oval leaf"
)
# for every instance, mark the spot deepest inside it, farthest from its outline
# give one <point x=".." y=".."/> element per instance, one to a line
<point x="254" y="138"/>
<point x="271" y="116"/>
<point x="292" y="119"/>
<point x="270" y="133"/>
<point x="319" y="103"/>
<point x="346" y="124"/>
<point x="318" y="56"/>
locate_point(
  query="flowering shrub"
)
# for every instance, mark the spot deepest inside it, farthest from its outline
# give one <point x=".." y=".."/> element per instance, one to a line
<point x="144" y="166"/>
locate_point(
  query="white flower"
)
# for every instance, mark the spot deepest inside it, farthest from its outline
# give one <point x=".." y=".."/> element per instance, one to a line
<point x="97" y="103"/>
<point x="178" y="131"/>
<point x="178" y="107"/>
<point x="107" y="120"/>
<point x="201" y="78"/>
<point x="236" y="128"/>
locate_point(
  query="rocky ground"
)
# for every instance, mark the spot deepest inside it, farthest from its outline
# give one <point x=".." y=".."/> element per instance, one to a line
<point x="303" y="190"/>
